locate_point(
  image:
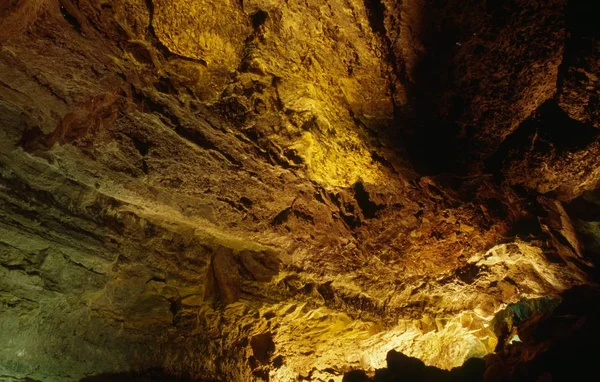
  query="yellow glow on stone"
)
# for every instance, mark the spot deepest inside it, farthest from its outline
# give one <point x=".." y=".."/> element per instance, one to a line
<point x="313" y="87"/>
<point x="339" y="162"/>
<point x="445" y="347"/>
<point x="323" y="338"/>
<point x="455" y="328"/>
<point x="332" y="150"/>
<point x="193" y="28"/>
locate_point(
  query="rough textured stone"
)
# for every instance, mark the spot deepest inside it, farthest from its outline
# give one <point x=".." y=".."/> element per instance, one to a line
<point x="557" y="345"/>
<point x="232" y="191"/>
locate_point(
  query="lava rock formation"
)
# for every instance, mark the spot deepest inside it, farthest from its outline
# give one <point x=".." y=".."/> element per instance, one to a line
<point x="313" y="190"/>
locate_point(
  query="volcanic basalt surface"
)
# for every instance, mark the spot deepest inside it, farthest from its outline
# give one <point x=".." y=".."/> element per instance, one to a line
<point x="266" y="190"/>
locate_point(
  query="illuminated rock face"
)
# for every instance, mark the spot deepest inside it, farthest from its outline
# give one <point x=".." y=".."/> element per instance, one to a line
<point x="236" y="190"/>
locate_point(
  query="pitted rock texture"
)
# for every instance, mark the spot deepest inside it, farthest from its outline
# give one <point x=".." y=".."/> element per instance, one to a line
<point x="233" y="191"/>
<point x="553" y="345"/>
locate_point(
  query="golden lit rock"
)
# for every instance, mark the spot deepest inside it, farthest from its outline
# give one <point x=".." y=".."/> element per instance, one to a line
<point x="194" y="29"/>
<point x="281" y="190"/>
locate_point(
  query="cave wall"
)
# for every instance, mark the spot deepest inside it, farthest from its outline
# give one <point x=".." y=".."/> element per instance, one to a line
<point x="233" y="190"/>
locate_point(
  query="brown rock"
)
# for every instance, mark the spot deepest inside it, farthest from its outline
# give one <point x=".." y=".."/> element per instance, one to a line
<point x="235" y="190"/>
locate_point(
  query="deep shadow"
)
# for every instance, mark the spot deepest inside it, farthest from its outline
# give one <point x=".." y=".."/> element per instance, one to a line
<point x="453" y="124"/>
<point x="560" y="345"/>
<point x="583" y="27"/>
<point x="428" y="127"/>
<point x="549" y="128"/>
<point x="584" y="212"/>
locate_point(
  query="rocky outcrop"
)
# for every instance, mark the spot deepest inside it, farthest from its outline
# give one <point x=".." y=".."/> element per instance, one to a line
<point x="556" y="345"/>
<point x="235" y="190"/>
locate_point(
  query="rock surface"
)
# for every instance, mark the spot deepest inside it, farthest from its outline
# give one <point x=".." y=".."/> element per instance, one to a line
<point x="266" y="190"/>
<point x="558" y="345"/>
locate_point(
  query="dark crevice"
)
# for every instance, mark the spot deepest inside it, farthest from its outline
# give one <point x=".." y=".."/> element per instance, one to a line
<point x="468" y="274"/>
<point x="229" y="157"/>
<point x="284" y="216"/>
<point x="246" y="202"/>
<point x="394" y="68"/>
<point x="276" y="157"/>
<point x="368" y="208"/>
<point x="429" y="127"/>
<point x="281" y="217"/>
<point x="70" y="18"/>
<point x="164" y="85"/>
<point x="142" y="147"/>
<point x="582" y="18"/>
<point x="175" y="306"/>
<point x="520" y="138"/>
<point x="351" y="221"/>
<point x="561" y="130"/>
<point x="497" y="208"/>
<point x="293" y="156"/>
<point x="548" y="128"/>
<point x="263" y="347"/>
<point x="584" y="212"/>
<point x="384" y="162"/>
<point x="79" y="265"/>
<point x="583" y="209"/>
<point x="526" y="227"/>
<point x="258" y="18"/>
<point x="233" y="204"/>
<point x="156" y="279"/>
<point x="304" y="216"/>
<point x="195" y="137"/>
<point x="376" y="13"/>
<point x="326" y="291"/>
<point x="189" y="133"/>
<point x="149" y="105"/>
<point x="583" y="30"/>
<point x="15" y="267"/>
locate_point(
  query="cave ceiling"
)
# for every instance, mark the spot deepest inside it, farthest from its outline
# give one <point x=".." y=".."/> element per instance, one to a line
<point x="246" y="190"/>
